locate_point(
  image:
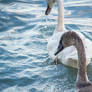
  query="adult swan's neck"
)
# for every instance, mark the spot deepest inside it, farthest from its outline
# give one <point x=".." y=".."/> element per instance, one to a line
<point x="60" y="26"/>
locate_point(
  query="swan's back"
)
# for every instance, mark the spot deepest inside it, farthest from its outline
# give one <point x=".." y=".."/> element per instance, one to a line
<point x="85" y="89"/>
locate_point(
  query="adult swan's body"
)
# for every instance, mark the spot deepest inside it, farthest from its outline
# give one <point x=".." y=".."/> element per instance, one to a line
<point x="71" y="38"/>
<point x="69" y="55"/>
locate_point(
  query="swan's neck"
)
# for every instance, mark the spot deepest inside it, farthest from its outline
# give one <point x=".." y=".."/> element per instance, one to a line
<point x="82" y="74"/>
<point x="60" y="26"/>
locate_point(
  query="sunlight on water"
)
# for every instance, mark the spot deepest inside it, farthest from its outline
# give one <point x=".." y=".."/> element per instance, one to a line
<point x="24" y="31"/>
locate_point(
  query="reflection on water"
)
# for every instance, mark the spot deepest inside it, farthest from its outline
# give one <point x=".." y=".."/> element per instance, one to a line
<point x="24" y="29"/>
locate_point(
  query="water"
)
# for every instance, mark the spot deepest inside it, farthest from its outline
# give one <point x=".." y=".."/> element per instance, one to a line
<point x="24" y="29"/>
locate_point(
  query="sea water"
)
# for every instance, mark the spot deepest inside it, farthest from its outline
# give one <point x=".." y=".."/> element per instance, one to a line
<point x="24" y="30"/>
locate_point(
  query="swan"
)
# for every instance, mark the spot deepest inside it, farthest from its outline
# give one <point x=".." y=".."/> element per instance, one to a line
<point x="72" y="38"/>
<point x="69" y="55"/>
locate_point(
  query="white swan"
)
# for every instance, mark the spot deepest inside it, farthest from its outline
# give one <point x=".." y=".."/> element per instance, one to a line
<point x="72" y="38"/>
<point x="69" y="55"/>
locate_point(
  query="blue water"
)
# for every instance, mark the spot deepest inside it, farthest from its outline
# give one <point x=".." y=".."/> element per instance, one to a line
<point x="24" y="29"/>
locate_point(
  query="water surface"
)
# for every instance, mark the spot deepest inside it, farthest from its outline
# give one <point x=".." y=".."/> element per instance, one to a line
<point x="24" y="30"/>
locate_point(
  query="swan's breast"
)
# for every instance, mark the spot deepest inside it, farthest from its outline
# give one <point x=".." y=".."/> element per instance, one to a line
<point x="53" y="43"/>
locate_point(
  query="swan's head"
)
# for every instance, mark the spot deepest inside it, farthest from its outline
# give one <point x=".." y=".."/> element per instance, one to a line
<point x="50" y="4"/>
<point x="68" y="39"/>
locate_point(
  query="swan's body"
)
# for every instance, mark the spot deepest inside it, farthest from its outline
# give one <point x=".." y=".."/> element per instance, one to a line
<point x="73" y="39"/>
<point x="69" y="55"/>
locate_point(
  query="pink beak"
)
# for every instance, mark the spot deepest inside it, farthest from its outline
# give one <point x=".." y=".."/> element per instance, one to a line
<point x="47" y="10"/>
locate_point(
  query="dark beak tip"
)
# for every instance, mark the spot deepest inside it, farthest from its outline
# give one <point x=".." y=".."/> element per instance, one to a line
<point x="58" y="50"/>
<point x="56" y="53"/>
<point x="46" y="13"/>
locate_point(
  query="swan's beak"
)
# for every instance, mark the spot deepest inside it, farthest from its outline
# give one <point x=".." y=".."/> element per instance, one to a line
<point x="60" y="48"/>
<point x="47" y="10"/>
